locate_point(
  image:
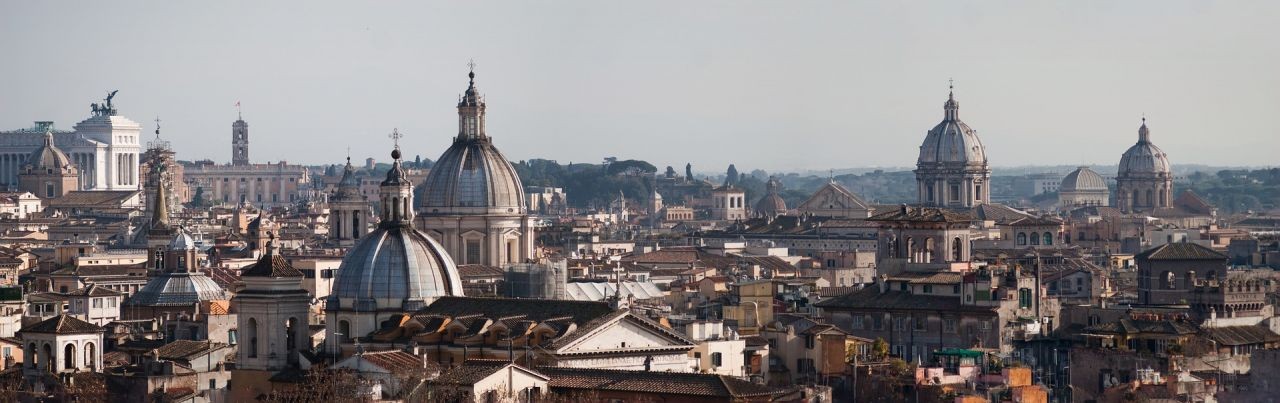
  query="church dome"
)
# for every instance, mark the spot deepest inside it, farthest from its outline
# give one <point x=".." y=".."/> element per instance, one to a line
<point x="396" y="266"/>
<point x="1082" y="179"/>
<point x="472" y="176"/>
<point x="952" y="142"/>
<point x="48" y="158"/>
<point x="771" y="204"/>
<point x="349" y="186"/>
<point x="1144" y="158"/>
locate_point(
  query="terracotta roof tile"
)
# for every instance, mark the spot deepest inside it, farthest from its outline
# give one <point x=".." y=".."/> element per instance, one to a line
<point x="62" y="324"/>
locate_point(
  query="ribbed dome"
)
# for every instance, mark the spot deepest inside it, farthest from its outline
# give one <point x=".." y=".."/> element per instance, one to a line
<point x="472" y="176"/>
<point x="182" y="241"/>
<point x="952" y="142"/>
<point x="394" y="267"/>
<point x="48" y="158"/>
<point x="1083" y="179"/>
<point x="178" y="288"/>
<point x="1144" y="158"/>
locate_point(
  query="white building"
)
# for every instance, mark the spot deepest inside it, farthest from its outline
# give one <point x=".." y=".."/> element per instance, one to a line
<point x="62" y="344"/>
<point x="105" y="147"/>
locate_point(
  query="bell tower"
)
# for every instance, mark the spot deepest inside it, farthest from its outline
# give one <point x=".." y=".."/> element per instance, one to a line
<point x="239" y="142"/>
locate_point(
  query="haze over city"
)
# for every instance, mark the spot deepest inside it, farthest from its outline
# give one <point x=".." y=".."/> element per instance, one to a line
<point x="807" y="86"/>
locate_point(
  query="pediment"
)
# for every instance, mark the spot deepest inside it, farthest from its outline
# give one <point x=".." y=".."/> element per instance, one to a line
<point x="626" y="332"/>
<point x="833" y="197"/>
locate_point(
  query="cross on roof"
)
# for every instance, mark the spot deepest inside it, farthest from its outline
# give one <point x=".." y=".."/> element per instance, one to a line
<point x="471" y="65"/>
<point x="395" y="136"/>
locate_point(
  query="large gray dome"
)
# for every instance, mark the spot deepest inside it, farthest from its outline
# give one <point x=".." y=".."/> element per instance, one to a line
<point x="1083" y="179"/>
<point x="395" y="267"/>
<point x="952" y="142"/>
<point x="1144" y="158"/>
<point x="472" y="176"/>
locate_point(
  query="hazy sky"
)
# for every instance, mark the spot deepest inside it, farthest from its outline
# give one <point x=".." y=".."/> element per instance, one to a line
<point x="772" y="85"/>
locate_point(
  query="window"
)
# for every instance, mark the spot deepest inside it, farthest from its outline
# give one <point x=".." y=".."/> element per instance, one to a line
<point x="920" y="321"/>
<point x="955" y="192"/>
<point x="955" y="289"/>
<point x="1048" y="238"/>
<point x="1035" y="240"/>
<point x="716" y="359"/>
<point x="473" y="252"/>
<point x="1022" y="238"/>
<point x="977" y="193"/>
<point x="928" y="289"/>
<point x="899" y="323"/>
<point x="857" y="322"/>
<point x="877" y="322"/>
<point x="808" y="341"/>
<point x="111" y="302"/>
<point x="1024" y="298"/>
<point x="930" y="191"/>
<point x="97" y="302"/>
<point x="48" y="189"/>
<point x="949" y="325"/>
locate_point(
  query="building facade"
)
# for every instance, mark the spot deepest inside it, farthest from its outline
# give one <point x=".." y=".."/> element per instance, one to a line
<point x="270" y="185"/>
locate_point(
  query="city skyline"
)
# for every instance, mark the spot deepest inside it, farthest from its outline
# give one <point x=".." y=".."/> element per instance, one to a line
<point x="596" y="81"/>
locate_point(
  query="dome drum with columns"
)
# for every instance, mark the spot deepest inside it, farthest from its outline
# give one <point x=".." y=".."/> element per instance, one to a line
<point x="1144" y="181"/>
<point x="1083" y="187"/>
<point x="394" y="269"/>
<point x="474" y="203"/>
<point x="952" y="170"/>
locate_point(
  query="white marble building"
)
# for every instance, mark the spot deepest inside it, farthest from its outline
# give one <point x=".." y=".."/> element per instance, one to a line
<point x="105" y="147"/>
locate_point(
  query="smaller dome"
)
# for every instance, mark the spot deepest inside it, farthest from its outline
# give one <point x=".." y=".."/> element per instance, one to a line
<point x="1083" y="179"/>
<point x="182" y="241"/>
<point x="771" y="204"/>
<point x="349" y="186"/>
<point x="48" y="158"/>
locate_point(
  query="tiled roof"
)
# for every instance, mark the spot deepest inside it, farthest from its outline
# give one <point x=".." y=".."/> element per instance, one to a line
<point x="1181" y="251"/>
<point x="928" y="278"/>
<point x="186" y="349"/>
<point x="397" y="361"/>
<point x="1131" y="326"/>
<point x="271" y="265"/>
<point x="471" y="371"/>
<point x="62" y="324"/>
<point x="871" y="298"/>
<point x="922" y="214"/>
<point x="93" y="290"/>
<point x="469" y="271"/>
<point x="672" y="383"/>
<point x="532" y="309"/>
<point x="92" y="198"/>
<point x="1242" y="335"/>
<point x="999" y="213"/>
<point x="1035" y="221"/>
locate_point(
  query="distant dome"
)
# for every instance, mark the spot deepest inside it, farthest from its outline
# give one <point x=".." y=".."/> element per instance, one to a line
<point x="771" y="204"/>
<point x="952" y="142"/>
<point x="1083" y="179"/>
<point x="1144" y="158"/>
<point x="395" y="267"/>
<point x="349" y="186"/>
<point x="178" y="289"/>
<point x="48" y="158"/>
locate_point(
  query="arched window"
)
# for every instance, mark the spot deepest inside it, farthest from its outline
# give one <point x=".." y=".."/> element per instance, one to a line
<point x="1022" y="238"/>
<point x="1169" y="280"/>
<point x="1163" y="199"/>
<point x="253" y="338"/>
<point x="928" y="250"/>
<point x="48" y="358"/>
<point x="1135" y="199"/>
<point x="355" y="224"/>
<point x="1035" y="240"/>
<point x="344" y="327"/>
<point x="911" y="250"/>
<point x="1048" y="238"/>
<point x="69" y="356"/>
<point x="34" y="356"/>
<point x="957" y="250"/>
<point x="89" y="356"/>
<point x="1150" y="201"/>
<point x="1191" y="279"/>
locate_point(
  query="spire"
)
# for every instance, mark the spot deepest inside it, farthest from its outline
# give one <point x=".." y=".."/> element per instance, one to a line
<point x="1144" y="134"/>
<point x="160" y="213"/>
<point x="951" y="107"/>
